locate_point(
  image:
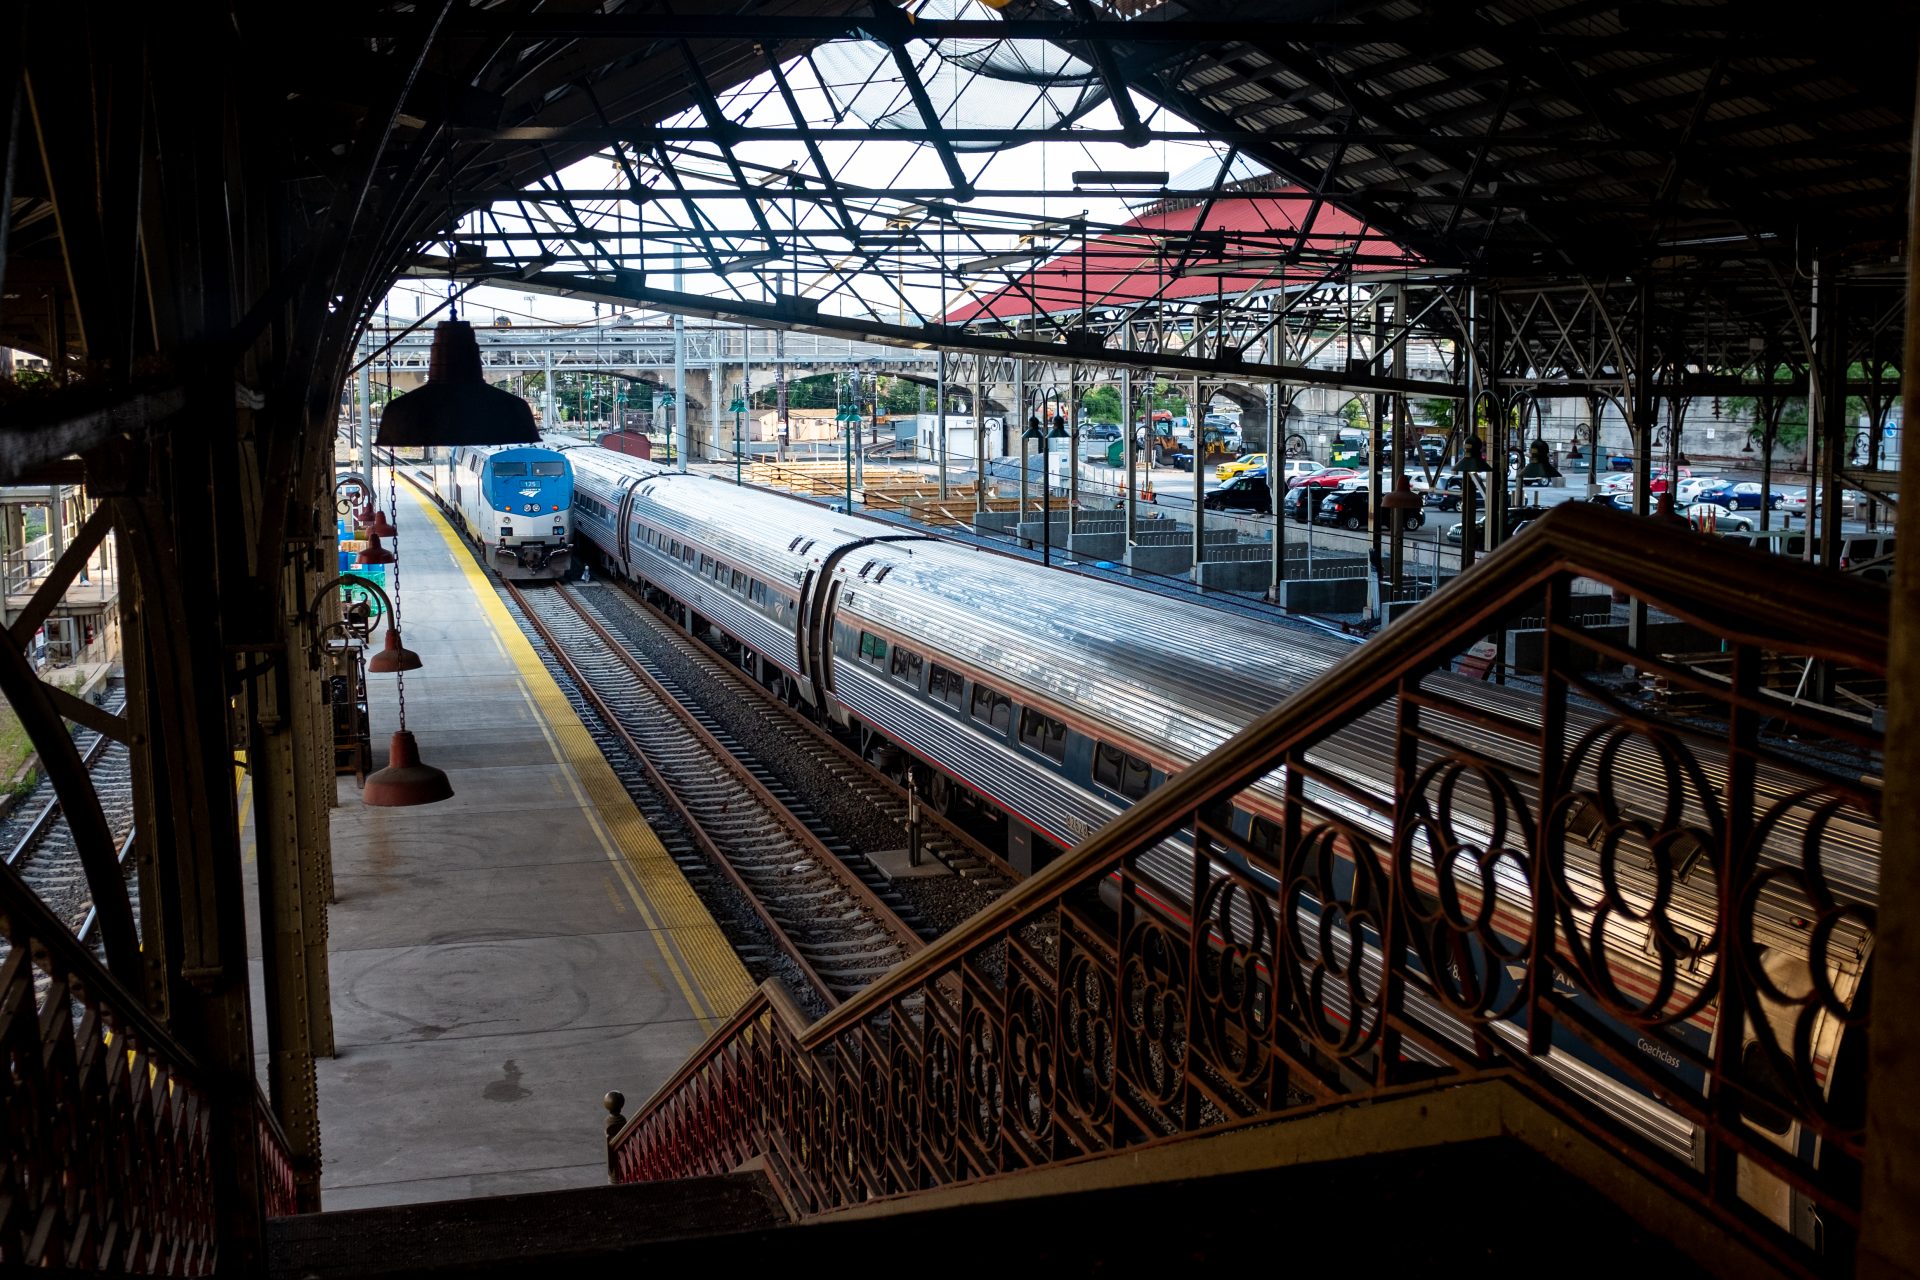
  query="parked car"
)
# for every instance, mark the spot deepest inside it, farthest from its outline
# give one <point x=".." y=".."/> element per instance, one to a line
<point x="1099" y="431"/>
<point x="1241" y="465"/>
<point x="1707" y="516"/>
<point x="1693" y="486"/>
<point x="1243" y="493"/>
<point x="1302" y="501"/>
<point x="1347" y="508"/>
<point x="1444" y="493"/>
<point x="1746" y="496"/>
<point x="1298" y="467"/>
<point x="1795" y="501"/>
<point x="1325" y="478"/>
<point x="1618" y="500"/>
<point x="1518" y="518"/>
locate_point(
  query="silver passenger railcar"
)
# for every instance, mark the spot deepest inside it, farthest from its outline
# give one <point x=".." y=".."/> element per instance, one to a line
<point x="1044" y="703"/>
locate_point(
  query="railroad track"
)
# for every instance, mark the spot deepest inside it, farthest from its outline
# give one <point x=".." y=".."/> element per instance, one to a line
<point x="40" y="848"/>
<point x="831" y="914"/>
<point x="965" y="856"/>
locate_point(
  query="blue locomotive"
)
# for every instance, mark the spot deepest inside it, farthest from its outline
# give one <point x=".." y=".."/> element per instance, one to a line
<point x="515" y="502"/>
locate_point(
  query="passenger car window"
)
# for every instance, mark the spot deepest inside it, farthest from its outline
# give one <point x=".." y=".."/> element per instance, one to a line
<point x="948" y="686"/>
<point x="873" y="649"/>
<point x="992" y="708"/>
<point x="1121" y="771"/>
<point x="1043" y="733"/>
<point x="906" y="665"/>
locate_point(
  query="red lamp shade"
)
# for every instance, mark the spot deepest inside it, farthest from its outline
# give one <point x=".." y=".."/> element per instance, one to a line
<point x="379" y="526"/>
<point x="393" y="656"/>
<point x="456" y="406"/>
<point x="405" y="781"/>
<point x="374" y="553"/>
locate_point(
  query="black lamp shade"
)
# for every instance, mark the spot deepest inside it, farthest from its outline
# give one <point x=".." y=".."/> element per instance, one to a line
<point x="456" y="406"/>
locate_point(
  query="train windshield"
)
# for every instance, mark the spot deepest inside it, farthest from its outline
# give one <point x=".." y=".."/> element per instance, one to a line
<point x="512" y="469"/>
<point x="549" y="469"/>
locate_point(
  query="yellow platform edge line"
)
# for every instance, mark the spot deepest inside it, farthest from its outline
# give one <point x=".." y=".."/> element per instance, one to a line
<point x="689" y="939"/>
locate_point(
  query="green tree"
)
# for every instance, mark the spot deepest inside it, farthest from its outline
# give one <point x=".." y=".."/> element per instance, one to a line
<point x="1437" y="411"/>
<point x="1101" y="404"/>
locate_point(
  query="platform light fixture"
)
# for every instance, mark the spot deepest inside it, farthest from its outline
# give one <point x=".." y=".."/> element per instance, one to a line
<point x="1120" y="178"/>
<point x="1539" y="463"/>
<point x="995" y="261"/>
<point x="748" y="261"/>
<point x="457" y="405"/>
<point x="1235" y="267"/>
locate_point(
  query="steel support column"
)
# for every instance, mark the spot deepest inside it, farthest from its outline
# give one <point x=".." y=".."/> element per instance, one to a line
<point x="979" y="437"/>
<point x="290" y="726"/>
<point x="1397" y="449"/>
<point x="1194" y="416"/>
<point x="680" y="435"/>
<point x="1643" y="411"/>
<point x="1130" y="446"/>
<point x="1020" y="428"/>
<point x="1889" y="1227"/>
<point x="1277" y="487"/>
<point x="1827" y="427"/>
<point x="940" y="418"/>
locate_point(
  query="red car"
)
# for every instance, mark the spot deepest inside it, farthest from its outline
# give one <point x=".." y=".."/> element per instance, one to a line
<point x="1331" y="478"/>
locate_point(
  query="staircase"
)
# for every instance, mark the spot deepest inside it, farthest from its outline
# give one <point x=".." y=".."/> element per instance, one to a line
<point x="1549" y="887"/>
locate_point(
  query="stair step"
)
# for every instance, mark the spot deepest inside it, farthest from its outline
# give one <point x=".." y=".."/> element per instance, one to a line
<point x="460" y="1237"/>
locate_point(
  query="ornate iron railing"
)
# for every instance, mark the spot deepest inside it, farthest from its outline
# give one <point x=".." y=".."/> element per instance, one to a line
<point x="1576" y="881"/>
<point x="107" y="1161"/>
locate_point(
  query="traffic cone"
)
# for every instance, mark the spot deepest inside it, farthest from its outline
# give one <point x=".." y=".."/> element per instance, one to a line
<point x="1146" y="494"/>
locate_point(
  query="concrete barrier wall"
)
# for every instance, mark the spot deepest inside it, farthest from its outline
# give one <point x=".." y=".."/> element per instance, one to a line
<point x="1176" y="558"/>
<point x="1324" y="595"/>
<point x="1233" y="575"/>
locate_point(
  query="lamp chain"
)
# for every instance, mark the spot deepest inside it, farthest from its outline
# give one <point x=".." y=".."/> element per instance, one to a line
<point x="393" y="597"/>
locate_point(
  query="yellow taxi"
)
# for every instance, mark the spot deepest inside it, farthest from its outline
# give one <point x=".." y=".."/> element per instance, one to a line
<point x="1241" y="465"/>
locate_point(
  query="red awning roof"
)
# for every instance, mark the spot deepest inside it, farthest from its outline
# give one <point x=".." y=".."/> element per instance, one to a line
<point x="1123" y="267"/>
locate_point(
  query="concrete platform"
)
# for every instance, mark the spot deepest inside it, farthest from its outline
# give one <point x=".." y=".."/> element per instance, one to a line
<point x="502" y="959"/>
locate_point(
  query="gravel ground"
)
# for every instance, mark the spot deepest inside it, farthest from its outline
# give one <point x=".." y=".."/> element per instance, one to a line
<point x="944" y="901"/>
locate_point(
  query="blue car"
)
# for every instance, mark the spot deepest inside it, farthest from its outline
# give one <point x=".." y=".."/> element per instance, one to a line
<point x="1745" y="496"/>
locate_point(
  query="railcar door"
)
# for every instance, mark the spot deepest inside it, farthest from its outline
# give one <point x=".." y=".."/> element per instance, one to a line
<point x="623" y="528"/>
<point x="803" y="650"/>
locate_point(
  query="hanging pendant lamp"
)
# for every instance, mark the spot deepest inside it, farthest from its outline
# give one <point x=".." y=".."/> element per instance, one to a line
<point x="378" y="526"/>
<point x="374" y="553"/>
<point x="456" y="406"/>
<point x="393" y="656"/>
<point x="1401" y="497"/>
<point x="405" y="781"/>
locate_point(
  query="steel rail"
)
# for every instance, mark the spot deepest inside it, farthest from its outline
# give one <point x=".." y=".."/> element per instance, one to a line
<point x="670" y="794"/>
<point x="710" y="847"/>
<point x="732" y="763"/>
<point x="37" y="828"/>
<point x="738" y="680"/>
<point x="93" y="910"/>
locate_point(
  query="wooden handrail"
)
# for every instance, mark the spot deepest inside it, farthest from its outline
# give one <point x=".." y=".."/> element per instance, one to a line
<point x="17" y="901"/>
<point x="1610" y="547"/>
